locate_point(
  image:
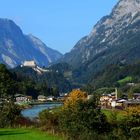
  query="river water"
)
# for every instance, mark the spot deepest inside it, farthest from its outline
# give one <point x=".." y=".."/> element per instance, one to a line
<point x="34" y="111"/>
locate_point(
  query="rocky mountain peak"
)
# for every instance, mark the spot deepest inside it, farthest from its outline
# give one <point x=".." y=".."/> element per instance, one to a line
<point x="125" y="7"/>
<point x="114" y="39"/>
<point x="16" y="47"/>
<point x="124" y="14"/>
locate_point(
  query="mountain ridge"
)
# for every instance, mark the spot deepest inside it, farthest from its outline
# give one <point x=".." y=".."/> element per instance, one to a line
<point x="16" y="47"/>
<point x="114" y="39"/>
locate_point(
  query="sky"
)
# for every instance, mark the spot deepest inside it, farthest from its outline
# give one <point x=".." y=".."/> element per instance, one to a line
<point x="60" y="24"/>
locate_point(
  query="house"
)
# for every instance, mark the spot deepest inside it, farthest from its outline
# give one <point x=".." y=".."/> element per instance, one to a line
<point x="132" y="103"/>
<point x="136" y="96"/>
<point x="89" y="97"/>
<point x="61" y="98"/>
<point x="131" y="84"/>
<point x="21" y="98"/>
<point x="50" y="98"/>
<point x="119" y="103"/>
<point x="29" y="98"/>
<point x="113" y="104"/>
<point x="105" y="100"/>
<point x="42" y="98"/>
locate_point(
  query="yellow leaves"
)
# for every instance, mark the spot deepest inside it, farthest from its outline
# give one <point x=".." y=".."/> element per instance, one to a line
<point x="133" y="110"/>
<point x="74" y="97"/>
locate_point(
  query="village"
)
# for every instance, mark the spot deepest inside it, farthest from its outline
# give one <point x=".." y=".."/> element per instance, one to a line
<point x="113" y="101"/>
<point x="22" y="99"/>
<point x="108" y="101"/>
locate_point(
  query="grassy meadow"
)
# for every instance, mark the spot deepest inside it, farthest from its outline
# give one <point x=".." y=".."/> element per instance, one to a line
<point x="114" y="115"/>
<point x="25" y="134"/>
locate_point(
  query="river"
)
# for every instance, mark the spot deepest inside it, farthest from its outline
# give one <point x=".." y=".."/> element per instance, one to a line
<point x="34" y="111"/>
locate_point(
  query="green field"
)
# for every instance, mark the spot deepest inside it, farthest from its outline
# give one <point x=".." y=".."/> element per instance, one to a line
<point x="126" y="79"/>
<point x="25" y="134"/>
<point x="114" y="115"/>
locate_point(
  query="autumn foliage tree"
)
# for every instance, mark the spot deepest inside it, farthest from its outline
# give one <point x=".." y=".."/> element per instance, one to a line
<point x="80" y="119"/>
<point x="131" y="124"/>
<point x="74" y="97"/>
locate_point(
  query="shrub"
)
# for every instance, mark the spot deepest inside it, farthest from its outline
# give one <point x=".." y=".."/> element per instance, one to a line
<point x="84" y="120"/>
<point x="49" y="120"/>
<point x="135" y="132"/>
<point x="9" y="114"/>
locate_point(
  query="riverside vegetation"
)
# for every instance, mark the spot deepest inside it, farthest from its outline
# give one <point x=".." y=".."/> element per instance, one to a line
<point x="83" y="119"/>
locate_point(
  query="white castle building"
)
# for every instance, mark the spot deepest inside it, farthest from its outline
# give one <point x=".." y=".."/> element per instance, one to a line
<point x="32" y="64"/>
<point x="29" y="64"/>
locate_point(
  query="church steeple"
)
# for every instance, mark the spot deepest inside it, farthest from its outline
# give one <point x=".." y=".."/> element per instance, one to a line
<point x="116" y="93"/>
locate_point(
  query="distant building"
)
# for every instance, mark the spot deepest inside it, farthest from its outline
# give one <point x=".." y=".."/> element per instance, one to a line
<point x="29" y="64"/>
<point x="89" y="97"/>
<point x="42" y="98"/>
<point x="32" y="64"/>
<point x="136" y="96"/>
<point x="50" y="98"/>
<point x="132" y="103"/>
<point x="21" y="98"/>
<point x="131" y="84"/>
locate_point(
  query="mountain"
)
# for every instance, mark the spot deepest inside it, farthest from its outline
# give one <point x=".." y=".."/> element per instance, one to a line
<point x="114" y="39"/>
<point x="16" y="47"/>
<point x="49" y="78"/>
<point x="117" y="76"/>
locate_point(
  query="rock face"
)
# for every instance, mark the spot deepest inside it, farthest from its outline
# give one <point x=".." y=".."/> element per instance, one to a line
<point x="114" y="39"/>
<point x="15" y="47"/>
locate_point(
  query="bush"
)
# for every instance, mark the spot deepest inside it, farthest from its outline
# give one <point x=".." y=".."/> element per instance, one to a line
<point x="135" y="132"/>
<point x="9" y="114"/>
<point x="49" y="120"/>
<point x="131" y="121"/>
<point x="84" y="120"/>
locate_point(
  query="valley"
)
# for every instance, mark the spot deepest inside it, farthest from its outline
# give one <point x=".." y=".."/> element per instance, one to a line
<point x="92" y="91"/>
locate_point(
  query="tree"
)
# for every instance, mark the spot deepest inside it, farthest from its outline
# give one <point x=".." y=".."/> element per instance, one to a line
<point x="131" y="123"/>
<point x="83" y="121"/>
<point x="130" y="94"/>
<point x="55" y="91"/>
<point x="9" y="114"/>
<point x="49" y="120"/>
<point x="43" y="88"/>
<point x="74" y="97"/>
<point x="7" y="84"/>
<point x="119" y="93"/>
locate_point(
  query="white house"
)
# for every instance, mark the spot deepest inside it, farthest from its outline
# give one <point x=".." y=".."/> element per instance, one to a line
<point x="42" y="98"/>
<point x="50" y="98"/>
<point x="21" y="98"/>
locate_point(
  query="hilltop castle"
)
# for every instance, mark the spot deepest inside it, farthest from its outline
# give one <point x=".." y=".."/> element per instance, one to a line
<point x="31" y="64"/>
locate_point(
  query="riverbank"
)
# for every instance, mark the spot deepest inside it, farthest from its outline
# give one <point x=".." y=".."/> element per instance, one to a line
<point x="26" y="105"/>
<point x="39" y="103"/>
<point x="34" y="111"/>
